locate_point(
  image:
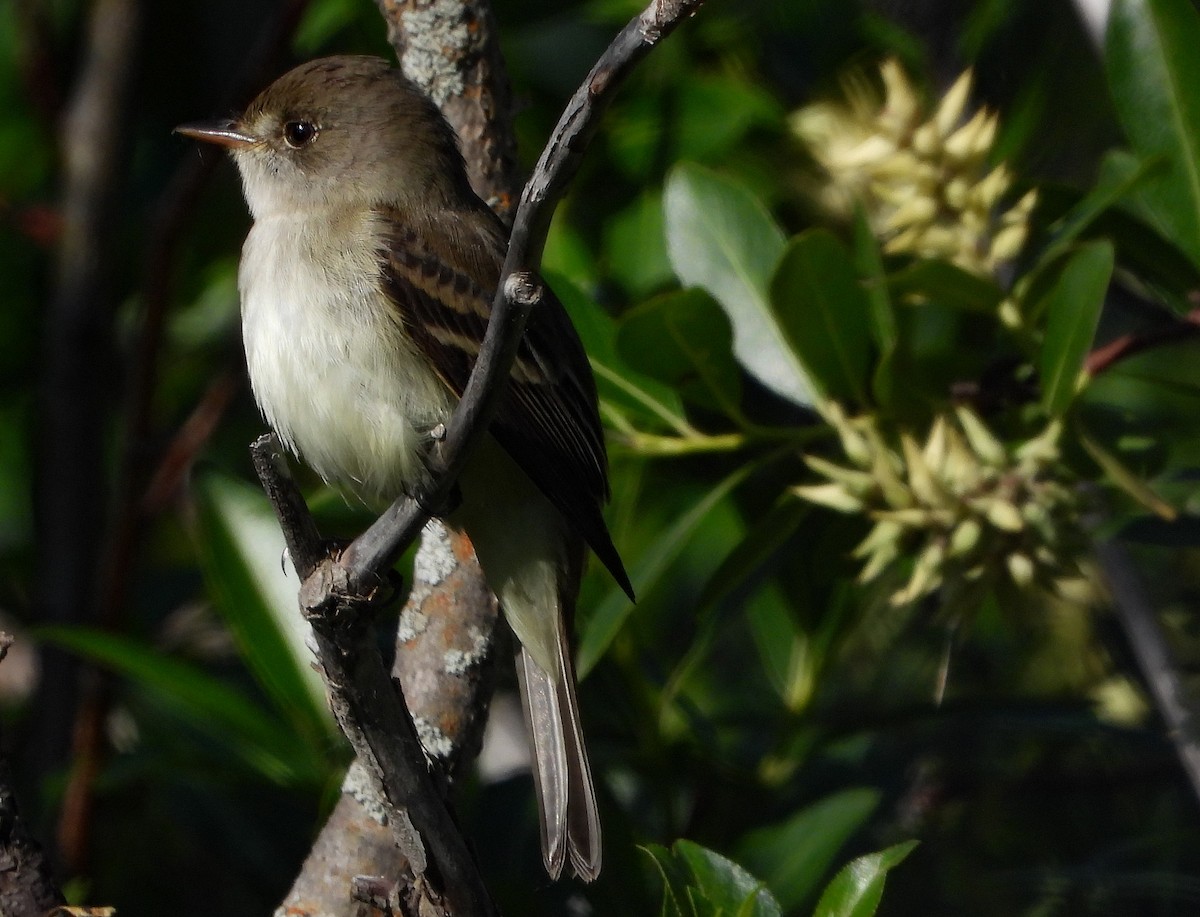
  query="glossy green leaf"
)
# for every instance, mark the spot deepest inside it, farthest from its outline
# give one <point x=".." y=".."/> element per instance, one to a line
<point x="794" y="855"/>
<point x="825" y="314"/>
<point x="721" y="239"/>
<point x="726" y="885"/>
<point x="674" y="878"/>
<point x="1153" y="64"/>
<point x="857" y="889"/>
<point x="269" y="745"/>
<point x="697" y="882"/>
<point x="683" y="339"/>
<point x="241" y="549"/>
<point x="605" y="623"/>
<point x="1072" y="309"/>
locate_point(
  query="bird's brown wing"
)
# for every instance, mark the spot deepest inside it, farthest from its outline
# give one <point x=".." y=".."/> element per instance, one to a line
<point x="441" y="276"/>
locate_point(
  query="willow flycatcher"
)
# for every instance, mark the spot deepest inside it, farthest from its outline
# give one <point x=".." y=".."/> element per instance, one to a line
<point x="366" y="283"/>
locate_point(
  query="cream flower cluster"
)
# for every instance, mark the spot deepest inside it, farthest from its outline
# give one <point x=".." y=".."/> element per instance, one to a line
<point x="923" y="179"/>
<point x="962" y="505"/>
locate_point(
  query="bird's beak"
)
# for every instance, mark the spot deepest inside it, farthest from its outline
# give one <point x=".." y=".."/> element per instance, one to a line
<point x="222" y="133"/>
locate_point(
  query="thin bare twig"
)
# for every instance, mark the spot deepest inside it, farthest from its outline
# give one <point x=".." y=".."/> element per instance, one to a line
<point x="1153" y="654"/>
<point x="1127" y="345"/>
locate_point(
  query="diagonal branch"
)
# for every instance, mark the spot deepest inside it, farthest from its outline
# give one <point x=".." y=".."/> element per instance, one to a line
<point x="519" y="291"/>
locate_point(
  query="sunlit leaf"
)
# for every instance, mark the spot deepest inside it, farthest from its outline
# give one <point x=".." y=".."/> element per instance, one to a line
<point x="857" y="889"/>
<point x="697" y="882"/>
<point x="241" y="548"/>
<point x="794" y="855"/>
<point x="721" y="239"/>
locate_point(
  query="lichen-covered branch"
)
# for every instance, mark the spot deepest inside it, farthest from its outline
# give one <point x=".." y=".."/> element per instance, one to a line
<point x="449" y="48"/>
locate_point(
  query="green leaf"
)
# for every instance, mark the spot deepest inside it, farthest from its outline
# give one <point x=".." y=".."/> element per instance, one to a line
<point x="825" y="314"/>
<point x="1155" y="261"/>
<point x="940" y="282"/>
<point x="794" y="855"/>
<point x="1072" y="309"/>
<point x="605" y="623"/>
<point x="857" y="889"/>
<point x="683" y="339"/>
<point x="721" y="239"/>
<point x="675" y="881"/>
<point x="1153" y="63"/>
<point x="1115" y="470"/>
<point x="783" y="645"/>
<point x="715" y="111"/>
<point x="697" y="882"/>
<point x="618" y="385"/>
<point x="725" y="884"/>
<point x="241" y="550"/>
<point x="635" y="246"/>
<point x="270" y="746"/>
<point x="1120" y="174"/>
<point x="764" y="539"/>
<point x="320" y="22"/>
<point x="868" y="263"/>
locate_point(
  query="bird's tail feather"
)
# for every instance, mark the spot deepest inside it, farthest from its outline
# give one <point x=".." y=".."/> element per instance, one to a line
<point x="562" y="776"/>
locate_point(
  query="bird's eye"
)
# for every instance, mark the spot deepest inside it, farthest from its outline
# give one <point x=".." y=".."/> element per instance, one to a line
<point x="299" y="133"/>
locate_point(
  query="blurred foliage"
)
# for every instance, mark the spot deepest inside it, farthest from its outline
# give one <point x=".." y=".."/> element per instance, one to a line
<point x="854" y="478"/>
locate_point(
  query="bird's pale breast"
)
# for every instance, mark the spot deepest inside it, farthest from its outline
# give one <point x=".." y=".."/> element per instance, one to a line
<point x="332" y="369"/>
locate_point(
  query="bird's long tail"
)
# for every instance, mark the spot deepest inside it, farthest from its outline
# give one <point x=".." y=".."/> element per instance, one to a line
<point x="563" y="778"/>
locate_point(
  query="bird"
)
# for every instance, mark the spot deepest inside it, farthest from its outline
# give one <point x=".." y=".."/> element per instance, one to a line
<point x="366" y="282"/>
